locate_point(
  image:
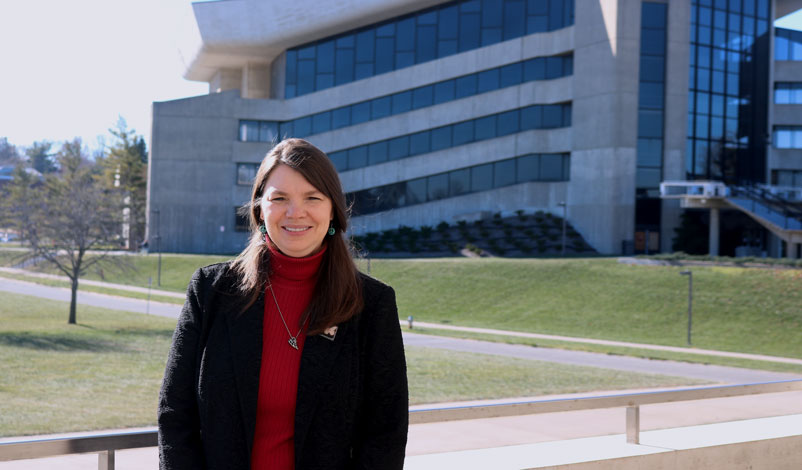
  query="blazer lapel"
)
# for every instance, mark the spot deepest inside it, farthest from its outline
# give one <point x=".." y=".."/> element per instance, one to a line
<point x="317" y="359"/>
<point x="245" y="331"/>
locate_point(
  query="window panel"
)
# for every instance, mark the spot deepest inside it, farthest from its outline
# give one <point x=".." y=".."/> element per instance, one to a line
<point x="482" y="177"/>
<point x="514" y="19"/>
<point x="650" y="95"/>
<point x="463" y="133"/>
<point x="340" y="160"/>
<point x="358" y="157"/>
<point x="268" y="131"/>
<point x="398" y="148"/>
<point x="405" y="35"/>
<point x="426" y="44"/>
<point x="650" y="152"/>
<point x="647" y="178"/>
<point x="302" y="126"/>
<point x="485" y="128"/>
<point x="380" y="107"/>
<point x="528" y="168"/>
<point x="364" y="46"/>
<point x="324" y="80"/>
<point x="448" y="27"/>
<point x="466" y="86"/>
<point x="321" y="122"/>
<point x="503" y="173"/>
<point x="249" y="131"/>
<point x="552" y="116"/>
<point x="385" y="53"/>
<point x="325" y="57"/>
<point x="416" y="191"/>
<point x="488" y="80"/>
<point x="377" y="152"/>
<point x="341" y="117"/>
<point x="444" y="91"/>
<point x="246" y="172"/>
<point x="360" y="112"/>
<point x="535" y="69"/>
<point x="459" y="182"/>
<point x="650" y="123"/>
<point x="551" y="167"/>
<point x="422" y="97"/>
<point x="469" y="31"/>
<point x="508" y="123"/>
<point x="652" y="69"/>
<point x="345" y="66"/>
<point x="419" y="143"/>
<point x="402" y="102"/>
<point x="306" y="76"/>
<point x="511" y="75"/>
<point x="441" y="138"/>
<point x="437" y="186"/>
<point x="531" y="118"/>
<point x="554" y="67"/>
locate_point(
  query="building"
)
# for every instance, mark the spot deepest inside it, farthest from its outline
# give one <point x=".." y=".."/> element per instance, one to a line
<point x="442" y="111"/>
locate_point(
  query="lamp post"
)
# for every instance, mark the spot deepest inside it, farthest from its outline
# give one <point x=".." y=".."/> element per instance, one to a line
<point x="690" y="301"/>
<point x="158" y="244"/>
<point x="565" y="215"/>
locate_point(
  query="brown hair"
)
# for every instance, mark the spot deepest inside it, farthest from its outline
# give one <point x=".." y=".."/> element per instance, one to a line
<point x="338" y="293"/>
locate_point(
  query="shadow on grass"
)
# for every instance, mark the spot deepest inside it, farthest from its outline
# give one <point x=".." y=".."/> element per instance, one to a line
<point x="57" y="342"/>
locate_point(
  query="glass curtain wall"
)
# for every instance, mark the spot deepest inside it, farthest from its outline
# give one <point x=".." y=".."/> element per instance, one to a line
<point x="728" y="91"/>
<point x="651" y="110"/>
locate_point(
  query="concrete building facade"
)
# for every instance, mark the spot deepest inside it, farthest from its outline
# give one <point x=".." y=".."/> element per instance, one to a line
<point x="443" y="111"/>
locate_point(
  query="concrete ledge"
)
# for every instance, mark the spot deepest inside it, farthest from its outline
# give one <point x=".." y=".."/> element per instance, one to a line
<point x="765" y="443"/>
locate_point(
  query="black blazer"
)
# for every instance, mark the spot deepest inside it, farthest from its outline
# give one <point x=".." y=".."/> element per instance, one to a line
<point x="352" y="403"/>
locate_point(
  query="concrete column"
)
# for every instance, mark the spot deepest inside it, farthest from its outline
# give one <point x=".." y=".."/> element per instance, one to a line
<point x="714" y="231"/>
<point x="791" y="250"/>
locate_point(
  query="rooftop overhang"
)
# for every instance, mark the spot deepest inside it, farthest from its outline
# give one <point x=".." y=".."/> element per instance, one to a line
<point x="234" y="33"/>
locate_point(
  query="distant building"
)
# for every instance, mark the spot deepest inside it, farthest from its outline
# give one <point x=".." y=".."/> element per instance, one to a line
<point x="440" y="111"/>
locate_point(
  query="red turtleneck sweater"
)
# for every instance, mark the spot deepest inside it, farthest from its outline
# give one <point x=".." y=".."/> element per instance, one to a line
<point x="293" y="281"/>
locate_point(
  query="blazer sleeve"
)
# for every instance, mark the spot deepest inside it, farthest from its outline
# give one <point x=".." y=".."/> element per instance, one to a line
<point x="179" y="423"/>
<point x="384" y="414"/>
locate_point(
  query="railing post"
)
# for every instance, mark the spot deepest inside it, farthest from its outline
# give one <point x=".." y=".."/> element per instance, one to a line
<point x="105" y="460"/>
<point x="633" y="425"/>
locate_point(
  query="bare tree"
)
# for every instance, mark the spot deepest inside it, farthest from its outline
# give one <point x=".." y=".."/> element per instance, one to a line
<point x="67" y="215"/>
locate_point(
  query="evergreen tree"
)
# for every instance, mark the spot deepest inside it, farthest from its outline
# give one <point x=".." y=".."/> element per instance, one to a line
<point x="40" y="157"/>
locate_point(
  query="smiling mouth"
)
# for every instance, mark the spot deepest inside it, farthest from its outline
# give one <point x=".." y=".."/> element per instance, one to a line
<point x="296" y="229"/>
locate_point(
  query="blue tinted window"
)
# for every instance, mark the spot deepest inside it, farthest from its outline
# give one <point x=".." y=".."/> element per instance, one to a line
<point x="341" y="117"/>
<point x="552" y="116"/>
<point x="402" y="102"/>
<point x="422" y="97"/>
<point x="653" y="41"/>
<point x="426" y="44"/>
<point x="531" y="118"/>
<point x="324" y="80"/>
<point x="485" y="128"/>
<point x="650" y="95"/>
<point x="303" y="126"/>
<point x="508" y="123"/>
<point x="358" y="157"/>
<point x="463" y="133"/>
<point x="416" y="191"/>
<point x="405" y="35"/>
<point x="652" y="68"/>
<point x="469" y="31"/>
<point x="340" y="160"/>
<point x="482" y="177"/>
<point x="551" y="167"/>
<point x="535" y="69"/>
<point x="650" y="123"/>
<point x="419" y="143"/>
<point x="503" y="173"/>
<point x="528" y="168"/>
<point x="345" y="66"/>
<point x="514" y="19"/>
<point x="448" y="23"/>
<point x="380" y="107"/>
<point x="444" y="91"/>
<point x="325" y="57"/>
<point x="437" y="187"/>
<point x="398" y="148"/>
<point x="459" y="182"/>
<point x="360" y="112"/>
<point x="441" y="138"/>
<point x="554" y="67"/>
<point x="377" y="152"/>
<point x="511" y="74"/>
<point x="306" y="76"/>
<point x="364" y="46"/>
<point x="385" y="52"/>
<point x="466" y="86"/>
<point x="488" y="80"/>
<point x="321" y="122"/>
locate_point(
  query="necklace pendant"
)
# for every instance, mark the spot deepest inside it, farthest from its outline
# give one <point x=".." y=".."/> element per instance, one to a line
<point x="293" y="342"/>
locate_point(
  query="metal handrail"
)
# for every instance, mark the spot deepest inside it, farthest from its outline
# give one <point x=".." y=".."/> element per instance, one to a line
<point x="107" y="443"/>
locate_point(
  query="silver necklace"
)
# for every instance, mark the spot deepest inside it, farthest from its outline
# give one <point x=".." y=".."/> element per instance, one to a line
<point x="293" y="339"/>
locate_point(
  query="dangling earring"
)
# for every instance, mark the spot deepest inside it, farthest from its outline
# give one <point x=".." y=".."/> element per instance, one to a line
<point x="332" y="231"/>
<point x="263" y="229"/>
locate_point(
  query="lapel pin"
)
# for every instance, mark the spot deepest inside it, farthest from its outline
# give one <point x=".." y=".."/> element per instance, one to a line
<point x="329" y="333"/>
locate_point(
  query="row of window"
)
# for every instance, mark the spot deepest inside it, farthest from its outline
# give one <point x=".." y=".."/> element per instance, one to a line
<point x="788" y="137"/>
<point x="787" y="178"/>
<point x="418" y="37"/>
<point x="787" y="44"/>
<point x="703" y="78"/>
<point x="460" y="133"/>
<point x="788" y="93"/>
<point x="714" y="104"/>
<point x="753" y="8"/>
<point x="539" y="68"/>
<point x="527" y="168"/>
<point x="651" y="102"/>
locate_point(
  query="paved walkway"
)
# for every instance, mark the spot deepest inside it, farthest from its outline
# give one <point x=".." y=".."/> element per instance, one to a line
<point x="54" y="277"/>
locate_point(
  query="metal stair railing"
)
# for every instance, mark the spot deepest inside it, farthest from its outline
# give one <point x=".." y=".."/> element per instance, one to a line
<point x="768" y="206"/>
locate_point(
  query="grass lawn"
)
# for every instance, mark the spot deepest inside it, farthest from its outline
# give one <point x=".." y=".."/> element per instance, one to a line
<point x="735" y="309"/>
<point x="754" y="310"/>
<point x="105" y="372"/>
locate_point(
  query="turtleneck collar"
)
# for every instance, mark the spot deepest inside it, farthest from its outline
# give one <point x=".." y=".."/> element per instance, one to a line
<point x="287" y="268"/>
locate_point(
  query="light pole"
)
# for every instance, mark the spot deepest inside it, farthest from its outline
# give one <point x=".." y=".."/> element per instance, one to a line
<point x="158" y="244"/>
<point x="690" y="301"/>
<point x="565" y="215"/>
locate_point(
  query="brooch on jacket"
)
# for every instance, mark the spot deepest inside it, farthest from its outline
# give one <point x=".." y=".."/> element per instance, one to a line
<point x="329" y="333"/>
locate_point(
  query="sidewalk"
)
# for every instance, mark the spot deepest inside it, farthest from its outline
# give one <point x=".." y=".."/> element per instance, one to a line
<point x="109" y="285"/>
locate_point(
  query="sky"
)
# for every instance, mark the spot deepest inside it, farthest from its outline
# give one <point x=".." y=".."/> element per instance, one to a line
<point x="73" y="68"/>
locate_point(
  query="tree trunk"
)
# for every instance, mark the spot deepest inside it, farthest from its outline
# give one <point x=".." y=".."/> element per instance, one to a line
<point x="73" y="300"/>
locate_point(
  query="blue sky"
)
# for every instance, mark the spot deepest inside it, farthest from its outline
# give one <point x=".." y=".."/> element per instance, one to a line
<point x="71" y="68"/>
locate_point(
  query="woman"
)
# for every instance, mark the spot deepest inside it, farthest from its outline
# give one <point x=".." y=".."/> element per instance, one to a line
<point x="287" y="357"/>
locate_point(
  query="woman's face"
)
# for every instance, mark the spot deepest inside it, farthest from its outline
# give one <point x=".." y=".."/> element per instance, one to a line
<point x="295" y="213"/>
